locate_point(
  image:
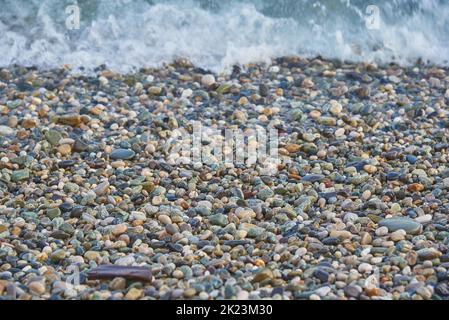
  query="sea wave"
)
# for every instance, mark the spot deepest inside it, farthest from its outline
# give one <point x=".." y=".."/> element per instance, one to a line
<point x="126" y="35"/>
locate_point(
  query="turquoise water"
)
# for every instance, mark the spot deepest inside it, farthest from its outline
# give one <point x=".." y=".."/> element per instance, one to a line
<point x="127" y="35"/>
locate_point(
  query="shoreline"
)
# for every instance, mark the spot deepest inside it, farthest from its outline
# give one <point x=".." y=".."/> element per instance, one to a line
<point x="356" y="210"/>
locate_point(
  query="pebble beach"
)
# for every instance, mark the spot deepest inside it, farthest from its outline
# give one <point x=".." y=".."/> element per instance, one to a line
<point x="358" y="208"/>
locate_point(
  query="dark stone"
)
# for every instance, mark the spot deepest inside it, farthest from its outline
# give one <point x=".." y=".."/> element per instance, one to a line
<point x="322" y="275"/>
<point x="313" y="178"/>
<point x="66" y="163"/>
<point x="411" y="159"/>
<point x="442" y="289"/>
<point x="393" y="175"/>
<point x="122" y="154"/>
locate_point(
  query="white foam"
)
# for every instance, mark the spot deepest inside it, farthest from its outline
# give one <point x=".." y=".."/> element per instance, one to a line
<point x="128" y="36"/>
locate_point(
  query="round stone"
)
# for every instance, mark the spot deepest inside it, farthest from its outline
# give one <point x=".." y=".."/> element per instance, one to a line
<point x="207" y="80"/>
<point x="122" y="154"/>
<point x="408" y="225"/>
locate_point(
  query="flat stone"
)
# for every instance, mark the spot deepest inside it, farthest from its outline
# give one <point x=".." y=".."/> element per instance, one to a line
<point x="92" y="256"/>
<point x="313" y="178"/>
<point x="122" y="154"/>
<point x="428" y="254"/>
<point x="264" y="194"/>
<point x="53" y="213"/>
<point x="353" y="291"/>
<point x="134" y="294"/>
<point x="37" y="287"/>
<point x="408" y="225"/>
<point x="263" y="275"/>
<point x="119" y="229"/>
<point x="207" y="80"/>
<point x="20" y="175"/>
<point x="218" y="219"/>
<point x="58" y="255"/>
<point x="53" y="137"/>
<point x="70" y="120"/>
<point x="6" y="131"/>
<point x="102" y="188"/>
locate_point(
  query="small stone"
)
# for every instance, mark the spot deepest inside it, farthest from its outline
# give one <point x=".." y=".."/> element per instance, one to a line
<point x="292" y="148"/>
<point x="134" y="294"/>
<point x="392" y="176"/>
<point x="218" y="219"/>
<point x="189" y="293"/>
<point x="335" y="108"/>
<point x="339" y="132"/>
<point x="80" y="146"/>
<point x="342" y="234"/>
<point x="408" y="225"/>
<point x="264" y="194"/>
<point x="424" y="292"/>
<point x="92" y="256"/>
<point x="118" y="284"/>
<point x="53" y="213"/>
<point x="122" y="154"/>
<point x="72" y="120"/>
<point x="415" y="187"/>
<point x="398" y="235"/>
<point x="353" y="291"/>
<point x="312" y="178"/>
<point x="37" y="287"/>
<point x="382" y="231"/>
<point x="6" y="131"/>
<point x="366" y="239"/>
<point x="322" y="275"/>
<point x="178" y="274"/>
<point x="53" y="137"/>
<point x="207" y="80"/>
<point x="263" y="275"/>
<point x="20" y="175"/>
<point x="372" y="291"/>
<point x="155" y="91"/>
<point x="263" y="90"/>
<point x="370" y="168"/>
<point x="365" y="268"/>
<point x="428" y="254"/>
<point x="58" y="255"/>
<point x="411" y="159"/>
<point x="164" y="219"/>
<point x="64" y="149"/>
<point x="70" y="187"/>
<point x="171" y="229"/>
<point x="411" y="257"/>
<point x="119" y="229"/>
<point x="102" y="188"/>
<point x="67" y="228"/>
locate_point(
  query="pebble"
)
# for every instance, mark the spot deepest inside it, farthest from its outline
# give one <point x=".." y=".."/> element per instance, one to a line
<point x="102" y="188"/>
<point x="428" y="254"/>
<point x="122" y="154"/>
<point x="119" y="229"/>
<point x="408" y="225"/>
<point x="207" y="80"/>
<point x="134" y="294"/>
<point x="91" y="175"/>
<point x="263" y="275"/>
<point x="5" y="130"/>
<point x="20" y="175"/>
<point x="37" y="287"/>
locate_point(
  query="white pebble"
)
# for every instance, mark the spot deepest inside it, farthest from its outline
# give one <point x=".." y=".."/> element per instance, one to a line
<point x="382" y="231"/>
